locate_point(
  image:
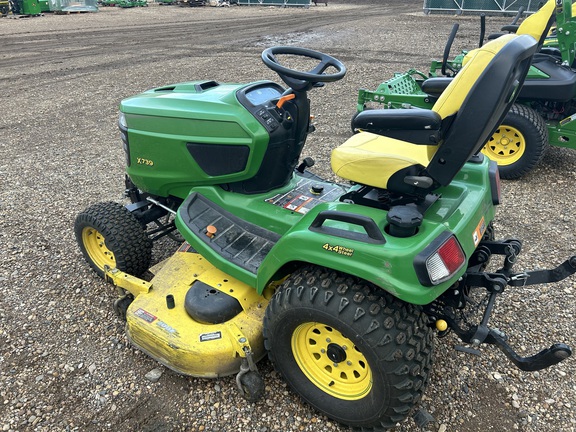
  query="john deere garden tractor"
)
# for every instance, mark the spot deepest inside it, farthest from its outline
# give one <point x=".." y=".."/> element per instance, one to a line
<point x="342" y="285"/>
<point x="544" y="112"/>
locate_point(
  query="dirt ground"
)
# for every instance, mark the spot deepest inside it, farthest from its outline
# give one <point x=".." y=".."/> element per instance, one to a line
<point x="65" y="363"/>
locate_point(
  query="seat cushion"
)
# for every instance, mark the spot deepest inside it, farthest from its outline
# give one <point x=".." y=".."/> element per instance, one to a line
<point x="371" y="159"/>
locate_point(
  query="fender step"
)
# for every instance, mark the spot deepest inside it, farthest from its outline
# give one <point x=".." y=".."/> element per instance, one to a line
<point x="236" y="240"/>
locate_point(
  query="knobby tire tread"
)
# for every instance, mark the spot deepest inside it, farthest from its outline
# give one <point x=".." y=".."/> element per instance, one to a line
<point x="123" y="234"/>
<point x="397" y="331"/>
<point x="535" y="133"/>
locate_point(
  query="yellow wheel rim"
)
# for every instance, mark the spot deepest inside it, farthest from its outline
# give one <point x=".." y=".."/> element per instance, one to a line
<point x="331" y="361"/>
<point x="95" y="244"/>
<point x="506" y="146"/>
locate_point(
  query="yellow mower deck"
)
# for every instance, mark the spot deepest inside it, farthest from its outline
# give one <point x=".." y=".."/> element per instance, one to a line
<point x="173" y="337"/>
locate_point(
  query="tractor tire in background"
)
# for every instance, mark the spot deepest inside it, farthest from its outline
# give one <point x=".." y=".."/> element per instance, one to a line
<point x="109" y="235"/>
<point x="348" y="348"/>
<point x="519" y="143"/>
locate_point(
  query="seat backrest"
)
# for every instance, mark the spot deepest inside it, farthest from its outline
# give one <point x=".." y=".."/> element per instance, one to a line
<point x="478" y="98"/>
<point x="538" y="24"/>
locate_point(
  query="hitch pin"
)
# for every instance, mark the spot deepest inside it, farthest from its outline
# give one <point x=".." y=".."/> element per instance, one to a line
<point x="520" y="276"/>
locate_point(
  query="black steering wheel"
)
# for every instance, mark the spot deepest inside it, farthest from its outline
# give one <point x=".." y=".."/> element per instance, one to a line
<point x="300" y="80"/>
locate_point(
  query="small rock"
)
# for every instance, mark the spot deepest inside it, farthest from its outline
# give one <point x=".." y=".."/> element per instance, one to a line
<point x="154" y="375"/>
<point x="442" y="428"/>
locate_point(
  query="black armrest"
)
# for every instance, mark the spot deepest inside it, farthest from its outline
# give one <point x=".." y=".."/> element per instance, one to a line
<point x="417" y="126"/>
<point x="493" y="36"/>
<point x="510" y="28"/>
<point x="435" y="86"/>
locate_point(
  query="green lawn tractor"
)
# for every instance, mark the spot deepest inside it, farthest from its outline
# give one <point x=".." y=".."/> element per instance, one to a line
<point x="343" y="286"/>
<point x="543" y="114"/>
<point x="25" y="7"/>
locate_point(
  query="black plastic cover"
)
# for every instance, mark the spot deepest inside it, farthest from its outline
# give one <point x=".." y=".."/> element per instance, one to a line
<point x="219" y="159"/>
<point x="560" y="86"/>
<point x="209" y="305"/>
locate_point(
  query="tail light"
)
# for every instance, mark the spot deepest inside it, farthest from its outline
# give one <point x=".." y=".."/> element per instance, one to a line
<point x="495" y="182"/>
<point x="440" y="260"/>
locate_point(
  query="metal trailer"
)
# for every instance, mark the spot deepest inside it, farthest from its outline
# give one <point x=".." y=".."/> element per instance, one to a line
<point x="481" y="6"/>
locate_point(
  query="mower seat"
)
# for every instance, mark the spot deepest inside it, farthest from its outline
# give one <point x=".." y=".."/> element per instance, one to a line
<point x="537" y="25"/>
<point x="470" y="109"/>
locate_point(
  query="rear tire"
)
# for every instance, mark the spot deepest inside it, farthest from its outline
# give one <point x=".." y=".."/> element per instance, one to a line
<point x="348" y="348"/>
<point x="519" y="143"/>
<point x="109" y="235"/>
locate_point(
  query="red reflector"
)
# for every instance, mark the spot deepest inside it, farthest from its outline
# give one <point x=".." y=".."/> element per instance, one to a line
<point x="498" y="187"/>
<point x="451" y="254"/>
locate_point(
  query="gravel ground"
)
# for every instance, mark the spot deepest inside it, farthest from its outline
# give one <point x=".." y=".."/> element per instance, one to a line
<point x="65" y="363"/>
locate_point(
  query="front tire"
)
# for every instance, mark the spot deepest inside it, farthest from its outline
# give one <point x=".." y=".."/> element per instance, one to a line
<point x="519" y="143"/>
<point x="348" y="348"/>
<point x="110" y="236"/>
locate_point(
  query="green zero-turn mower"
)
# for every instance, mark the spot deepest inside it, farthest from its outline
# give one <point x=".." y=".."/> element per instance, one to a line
<point x="343" y="286"/>
<point x="544" y="113"/>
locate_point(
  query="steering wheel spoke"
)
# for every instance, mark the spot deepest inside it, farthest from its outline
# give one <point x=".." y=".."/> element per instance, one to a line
<point x="322" y="66"/>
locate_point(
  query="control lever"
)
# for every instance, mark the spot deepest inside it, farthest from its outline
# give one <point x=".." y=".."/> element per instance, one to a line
<point x="306" y="163"/>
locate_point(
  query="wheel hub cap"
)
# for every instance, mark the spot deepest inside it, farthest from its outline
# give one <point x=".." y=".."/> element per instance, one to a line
<point x="506" y="146"/>
<point x="336" y="353"/>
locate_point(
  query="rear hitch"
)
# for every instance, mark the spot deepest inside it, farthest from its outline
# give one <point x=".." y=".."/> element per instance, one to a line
<point x="545" y="358"/>
<point x="450" y="307"/>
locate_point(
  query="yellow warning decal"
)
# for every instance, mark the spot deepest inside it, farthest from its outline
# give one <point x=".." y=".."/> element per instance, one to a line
<point x="479" y="231"/>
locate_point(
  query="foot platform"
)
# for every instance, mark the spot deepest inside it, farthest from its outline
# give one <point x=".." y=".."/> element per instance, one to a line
<point x="236" y="240"/>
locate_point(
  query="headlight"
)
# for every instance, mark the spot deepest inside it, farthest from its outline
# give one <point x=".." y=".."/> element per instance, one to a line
<point x="123" y="125"/>
<point x="122" y="121"/>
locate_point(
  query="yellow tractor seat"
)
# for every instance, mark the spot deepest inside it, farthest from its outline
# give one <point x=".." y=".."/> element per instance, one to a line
<point x="538" y="25"/>
<point x="462" y="119"/>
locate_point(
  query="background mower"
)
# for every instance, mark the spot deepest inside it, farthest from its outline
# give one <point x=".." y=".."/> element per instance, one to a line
<point x="543" y="114"/>
<point x="342" y="285"/>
